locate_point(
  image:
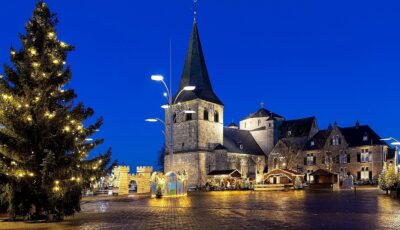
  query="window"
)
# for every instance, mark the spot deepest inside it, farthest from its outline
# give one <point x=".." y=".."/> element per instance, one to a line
<point x="275" y="163"/>
<point x="336" y="140"/>
<point x="259" y="122"/>
<point x="205" y="115"/>
<point x="189" y="117"/>
<point x="269" y="125"/>
<point x="310" y="159"/>
<point x="365" y="155"/>
<point x="364" y="173"/>
<point x="289" y="133"/>
<point x="241" y="146"/>
<point x="310" y="178"/>
<point x="216" y="116"/>
<point x="174" y="118"/>
<point x="312" y="143"/>
<point x="344" y="158"/>
<point x="327" y="158"/>
<point x="365" y="138"/>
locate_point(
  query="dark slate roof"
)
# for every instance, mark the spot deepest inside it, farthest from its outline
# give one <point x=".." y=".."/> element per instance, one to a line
<point x="323" y="172"/>
<point x="195" y="73"/>
<point x="232" y="124"/>
<point x="354" y="136"/>
<point x="319" y="140"/>
<point x="298" y="127"/>
<point x="219" y="147"/>
<point x="233" y="138"/>
<point x="263" y="113"/>
<point x="223" y="172"/>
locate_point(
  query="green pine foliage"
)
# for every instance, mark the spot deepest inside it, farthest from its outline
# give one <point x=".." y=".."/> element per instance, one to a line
<point x="44" y="133"/>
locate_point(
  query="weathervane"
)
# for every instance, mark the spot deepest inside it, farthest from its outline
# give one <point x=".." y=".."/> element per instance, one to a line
<point x="194" y="9"/>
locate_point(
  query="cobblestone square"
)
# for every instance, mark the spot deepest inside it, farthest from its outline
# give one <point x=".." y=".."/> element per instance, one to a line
<point x="370" y="209"/>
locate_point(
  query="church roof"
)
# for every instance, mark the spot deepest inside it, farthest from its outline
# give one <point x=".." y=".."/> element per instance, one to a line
<point x="241" y="141"/>
<point x="296" y="128"/>
<point x="263" y="113"/>
<point x="195" y="73"/>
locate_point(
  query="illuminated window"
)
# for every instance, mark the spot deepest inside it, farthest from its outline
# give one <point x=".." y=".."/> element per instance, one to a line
<point x="365" y="138"/>
<point x="364" y="173"/>
<point x="336" y="140"/>
<point x="365" y="155"/>
<point x="289" y="133"/>
<point x="312" y="143"/>
<point x="310" y="159"/>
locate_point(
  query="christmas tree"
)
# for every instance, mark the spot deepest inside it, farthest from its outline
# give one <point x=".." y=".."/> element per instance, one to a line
<point x="44" y="134"/>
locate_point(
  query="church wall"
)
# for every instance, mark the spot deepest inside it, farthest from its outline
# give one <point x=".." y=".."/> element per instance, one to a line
<point x="210" y="132"/>
<point x="188" y="162"/>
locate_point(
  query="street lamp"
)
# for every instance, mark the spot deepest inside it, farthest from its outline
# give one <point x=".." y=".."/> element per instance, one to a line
<point x="169" y="106"/>
<point x="395" y="143"/>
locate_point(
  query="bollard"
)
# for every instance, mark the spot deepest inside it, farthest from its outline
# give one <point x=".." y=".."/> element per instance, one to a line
<point x="355" y="192"/>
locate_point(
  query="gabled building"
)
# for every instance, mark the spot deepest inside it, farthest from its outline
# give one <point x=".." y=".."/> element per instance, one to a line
<point x="357" y="150"/>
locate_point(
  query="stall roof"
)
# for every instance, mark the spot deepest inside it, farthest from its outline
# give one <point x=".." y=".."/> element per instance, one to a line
<point x="228" y="172"/>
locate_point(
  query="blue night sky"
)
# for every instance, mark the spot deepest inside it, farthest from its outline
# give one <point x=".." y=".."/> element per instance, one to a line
<point x="336" y="60"/>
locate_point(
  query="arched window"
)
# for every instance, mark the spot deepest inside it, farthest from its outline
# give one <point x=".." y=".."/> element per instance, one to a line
<point x="216" y="116"/>
<point x="205" y="115"/>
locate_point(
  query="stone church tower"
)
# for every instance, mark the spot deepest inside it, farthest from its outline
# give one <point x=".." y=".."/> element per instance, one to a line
<point x="195" y="135"/>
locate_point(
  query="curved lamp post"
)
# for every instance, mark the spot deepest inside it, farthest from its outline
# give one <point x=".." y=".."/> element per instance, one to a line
<point x="169" y="108"/>
<point x="395" y="143"/>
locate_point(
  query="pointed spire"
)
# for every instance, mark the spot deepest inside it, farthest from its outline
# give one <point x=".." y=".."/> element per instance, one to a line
<point x="262" y="104"/>
<point x="194" y="10"/>
<point x="195" y="73"/>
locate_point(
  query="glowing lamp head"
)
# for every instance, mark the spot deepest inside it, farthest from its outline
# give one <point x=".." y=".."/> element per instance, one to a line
<point x="189" y="88"/>
<point x="157" y="77"/>
<point x="151" y="120"/>
<point x="396" y="143"/>
<point x="189" y="111"/>
<point x="165" y="106"/>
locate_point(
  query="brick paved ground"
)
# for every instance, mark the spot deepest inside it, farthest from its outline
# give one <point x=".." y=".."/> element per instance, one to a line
<point x="236" y="210"/>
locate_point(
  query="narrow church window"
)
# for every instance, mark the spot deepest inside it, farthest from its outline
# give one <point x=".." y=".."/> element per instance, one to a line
<point x="269" y="125"/>
<point x="259" y="122"/>
<point x="216" y="116"/>
<point x="205" y="115"/>
<point x="189" y="117"/>
<point x="289" y="133"/>
<point x="174" y="118"/>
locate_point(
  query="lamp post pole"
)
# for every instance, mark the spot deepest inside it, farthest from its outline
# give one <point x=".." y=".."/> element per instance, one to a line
<point x="170" y="114"/>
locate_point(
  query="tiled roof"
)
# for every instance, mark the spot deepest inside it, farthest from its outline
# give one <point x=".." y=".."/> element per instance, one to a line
<point x="318" y="140"/>
<point x="263" y="113"/>
<point x="355" y="136"/>
<point x="241" y="141"/>
<point x="296" y="128"/>
<point x="224" y="172"/>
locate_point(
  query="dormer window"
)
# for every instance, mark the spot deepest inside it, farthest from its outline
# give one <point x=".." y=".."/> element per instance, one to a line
<point x="241" y="147"/>
<point x="312" y="143"/>
<point x="289" y="133"/>
<point x="365" y="138"/>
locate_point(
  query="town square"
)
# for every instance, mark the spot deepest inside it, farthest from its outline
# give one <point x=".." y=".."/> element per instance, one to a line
<point x="199" y="115"/>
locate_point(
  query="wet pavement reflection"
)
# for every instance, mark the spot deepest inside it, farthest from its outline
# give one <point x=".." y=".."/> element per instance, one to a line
<point x="370" y="209"/>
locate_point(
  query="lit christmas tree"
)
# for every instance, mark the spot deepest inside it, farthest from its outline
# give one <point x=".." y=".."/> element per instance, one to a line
<point x="44" y="139"/>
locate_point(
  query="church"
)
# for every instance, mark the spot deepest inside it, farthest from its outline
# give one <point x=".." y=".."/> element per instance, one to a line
<point x="262" y="141"/>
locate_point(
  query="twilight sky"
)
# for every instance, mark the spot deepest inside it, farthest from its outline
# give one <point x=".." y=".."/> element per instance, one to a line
<point x="336" y="60"/>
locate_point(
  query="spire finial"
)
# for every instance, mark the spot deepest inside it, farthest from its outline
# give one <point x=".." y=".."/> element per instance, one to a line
<point x="262" y="104"/>
<point x="194" y="10"/>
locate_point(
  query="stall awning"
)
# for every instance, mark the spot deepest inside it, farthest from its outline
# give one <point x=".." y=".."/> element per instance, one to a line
<point x="225" y="173"/>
